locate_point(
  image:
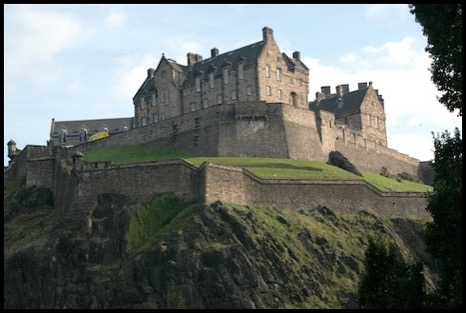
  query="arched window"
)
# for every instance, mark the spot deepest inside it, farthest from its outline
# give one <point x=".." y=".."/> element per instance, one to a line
<point x="63" y="135"/>
<point x="83" y="135"/>
<point x="294" y="99"/>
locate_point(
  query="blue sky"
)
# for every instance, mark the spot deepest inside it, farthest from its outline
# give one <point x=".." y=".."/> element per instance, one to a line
<point x="74" y="62"/>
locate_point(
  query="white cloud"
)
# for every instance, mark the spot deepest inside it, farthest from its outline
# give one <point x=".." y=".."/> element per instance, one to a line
<point x="40" y="35"/>
<point x="399" y="70"/>
<point x="417" y="146"/>
<point x="130" y="73"/>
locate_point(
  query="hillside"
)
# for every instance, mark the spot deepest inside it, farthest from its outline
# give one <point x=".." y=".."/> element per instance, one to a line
<point x="170" y="254"/>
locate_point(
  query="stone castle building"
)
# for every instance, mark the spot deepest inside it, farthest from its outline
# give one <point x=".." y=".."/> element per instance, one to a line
<point x="249" y="102"/>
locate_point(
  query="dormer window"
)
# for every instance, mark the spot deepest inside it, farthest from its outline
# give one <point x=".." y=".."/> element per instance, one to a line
<point x="143" y="103"/>
<point x="267" y="70"/>
<point x="83" y="135"/>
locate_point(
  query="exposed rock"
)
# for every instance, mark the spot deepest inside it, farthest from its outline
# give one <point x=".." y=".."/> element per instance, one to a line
<point x="195" y="256"/>
<point x="336" y="158"/>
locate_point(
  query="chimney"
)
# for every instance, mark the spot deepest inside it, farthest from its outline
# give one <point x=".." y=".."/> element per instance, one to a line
<point x="345" y="88"/>
<point x="362" y="85"/>
<point x="150" y="73"/>
<point x="339" y="90"/>
<point x="370" y="84"/>
<point x="319" y="96"/>
<point x="213" y="52"/>
<point x="325" y="90"/>
<point x="267" y="33"/>
<point x="297" y="56"/>
<point x="191" y="58"/>
<point x="198" y="58"/>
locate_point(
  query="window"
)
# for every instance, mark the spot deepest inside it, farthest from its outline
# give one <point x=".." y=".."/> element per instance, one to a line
<point x="211" y="80"/>
<point x="154" y="99"/>
<point x="279" y="93"/>
<point x="143" y="103"/>
<point x="376" y="122"/>
<point x="197" y="81"/>
<point x="164" y="73"/>
<point x="240" y="70"/>
<point x="205" y="103"/>
<point x="193" y="106"/>
<point x="269" y="91"/>
<point x="165" y="96"/>
<point x="369" y="119"/>
<point x="156" y="117"/>
<point x="226" y="77"/>
<point x="83" y="135"/>
<point x="249" y="90"/>
<point x="351" y="121"/>
<point x="64" y="135"/>
<point x="233" y="95"/>
<point x="279" y="74"/>
<point x="267" y="71"/>
<point x="219" y="99"/>
<point x="144" y="121"/>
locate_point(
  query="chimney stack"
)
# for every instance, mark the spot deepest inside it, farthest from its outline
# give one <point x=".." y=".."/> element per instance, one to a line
<point x="345" y="88"/>
<point x="362" y="85"/>
<point x="213" y="52"/>
<point x="150" y="72"/>
<point x="191" y="58"/>
<point x="297" y="56"/>
<point x="339" y="90"/>
<point x="267" y="33"/>
<point x="319" y="96"/>
<point x="325" y="90"/>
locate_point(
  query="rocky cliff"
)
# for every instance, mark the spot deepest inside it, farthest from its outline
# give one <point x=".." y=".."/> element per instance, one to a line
<point x="170" y="254"/>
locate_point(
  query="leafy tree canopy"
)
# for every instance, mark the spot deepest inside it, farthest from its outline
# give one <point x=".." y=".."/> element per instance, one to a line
<point x="442" y="25"/>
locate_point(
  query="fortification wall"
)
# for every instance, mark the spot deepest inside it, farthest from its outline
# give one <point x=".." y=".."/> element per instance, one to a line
<point x="140" y="182"/>
<point x="368" y="156"/>
<point x="229" y="184"/>
<point x="302" y="137"/>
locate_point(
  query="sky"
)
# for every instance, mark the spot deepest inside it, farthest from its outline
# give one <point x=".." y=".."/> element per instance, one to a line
<point x="87" y="61"/>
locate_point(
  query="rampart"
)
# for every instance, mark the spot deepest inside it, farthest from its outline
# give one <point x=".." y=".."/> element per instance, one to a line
<point x="343" y="196"/>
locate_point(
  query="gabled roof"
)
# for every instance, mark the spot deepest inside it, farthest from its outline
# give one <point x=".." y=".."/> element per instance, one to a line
<point x="247" y="54"/>
<point x="351" y="102"/>
<point x="294" y="64"/>
<point x="113" y="125"/>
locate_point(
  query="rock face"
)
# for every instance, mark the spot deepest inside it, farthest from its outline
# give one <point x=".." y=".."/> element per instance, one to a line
<point x="338" y="159"/>
<point x="169" y="254"/>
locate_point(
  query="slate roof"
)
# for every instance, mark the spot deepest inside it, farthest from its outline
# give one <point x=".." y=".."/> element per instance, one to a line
<point x="247" y="54"/>
<point x="351" y="103"/>
<point x="114" y="125"/>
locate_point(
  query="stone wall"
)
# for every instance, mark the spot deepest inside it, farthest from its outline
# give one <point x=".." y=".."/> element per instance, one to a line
<point x="242" y="187"/>
<point x="368" y="156"/>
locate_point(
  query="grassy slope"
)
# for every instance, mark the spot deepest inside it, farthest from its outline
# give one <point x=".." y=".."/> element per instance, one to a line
<point x="262" y="167"/>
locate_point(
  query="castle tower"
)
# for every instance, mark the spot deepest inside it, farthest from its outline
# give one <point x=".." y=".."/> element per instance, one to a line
<point x="77" y="160"/>
<point x="12" y="152"/>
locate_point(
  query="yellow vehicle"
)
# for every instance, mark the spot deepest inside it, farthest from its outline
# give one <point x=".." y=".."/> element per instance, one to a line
<point x="99" y="135"/>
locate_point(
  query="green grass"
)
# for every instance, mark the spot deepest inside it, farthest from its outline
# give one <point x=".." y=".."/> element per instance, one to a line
<point x="134" y="154"/>
<point x="266" y="168"/>
<point x="389" y="184"/>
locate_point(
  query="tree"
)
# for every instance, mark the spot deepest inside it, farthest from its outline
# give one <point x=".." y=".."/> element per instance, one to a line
<point x="442" y="25"/>
<point x="443" y="235"/>
<point x="388" y="282"/>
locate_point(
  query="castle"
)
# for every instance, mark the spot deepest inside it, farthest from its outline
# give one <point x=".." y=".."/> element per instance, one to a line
<point x="249" y="102"/>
